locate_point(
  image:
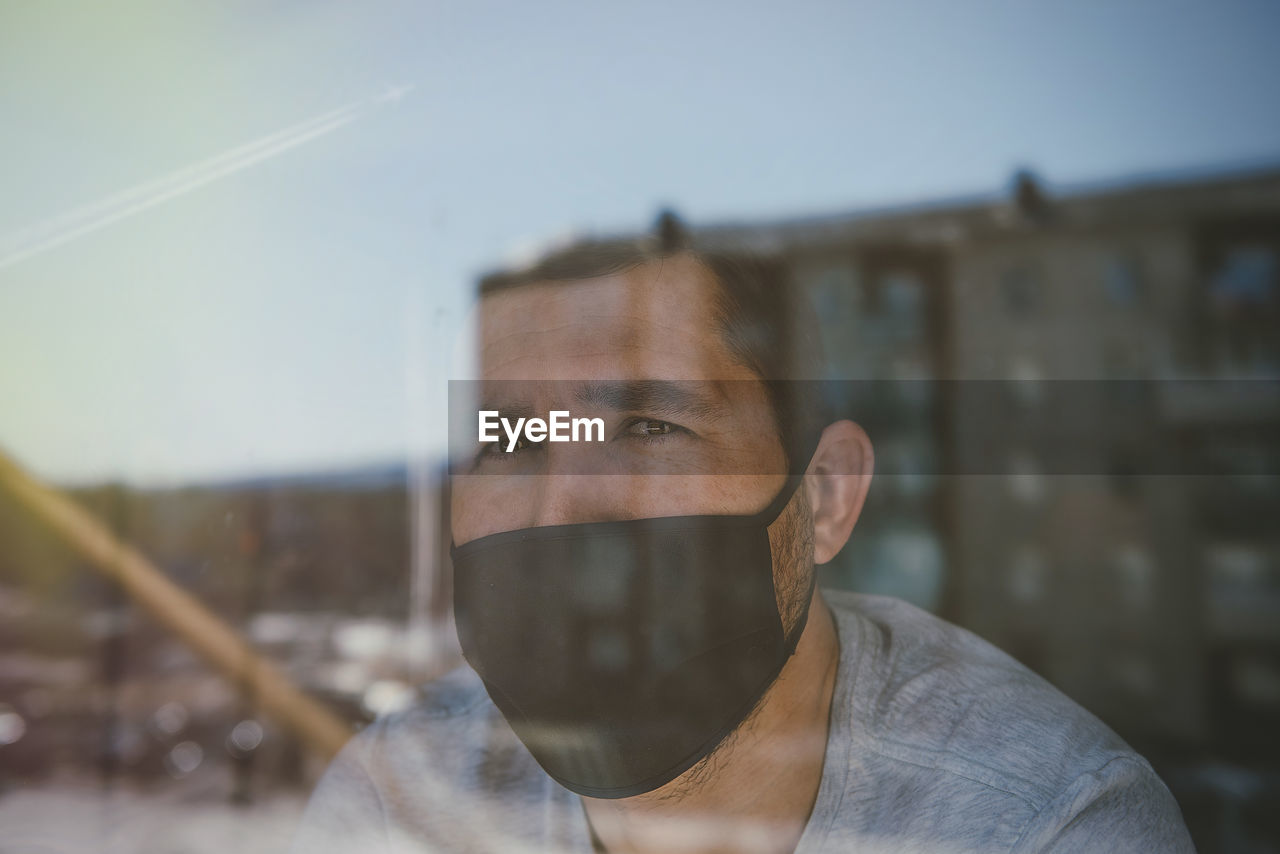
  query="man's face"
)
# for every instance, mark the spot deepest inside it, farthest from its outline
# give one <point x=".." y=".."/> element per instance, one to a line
<point x="688" y="430"/>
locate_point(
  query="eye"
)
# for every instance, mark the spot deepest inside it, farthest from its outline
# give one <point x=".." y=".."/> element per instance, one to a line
<point x="647" y="428"/>
<point x="497" y="451"/>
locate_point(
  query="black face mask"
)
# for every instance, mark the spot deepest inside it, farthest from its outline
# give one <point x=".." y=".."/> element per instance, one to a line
<point x="622" y="653"/>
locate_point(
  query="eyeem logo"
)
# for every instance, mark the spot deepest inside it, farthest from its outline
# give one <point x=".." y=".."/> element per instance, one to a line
<point x="558" y="427"/>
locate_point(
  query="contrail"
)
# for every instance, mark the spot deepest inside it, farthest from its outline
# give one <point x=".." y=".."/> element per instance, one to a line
<point x="41" y="237"/>
<point x="70" y="218"/>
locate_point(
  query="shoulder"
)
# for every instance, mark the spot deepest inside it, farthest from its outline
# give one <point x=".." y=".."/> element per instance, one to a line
<point x="451" y="732"/>
<point x="951" y="714"/>
<point x="457" y="695"/>
<point x="446" y="773"/>
<point x="940" y="694"/>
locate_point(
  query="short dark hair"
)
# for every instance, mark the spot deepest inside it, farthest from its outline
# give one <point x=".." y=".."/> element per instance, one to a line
<point x="762" y="319"/>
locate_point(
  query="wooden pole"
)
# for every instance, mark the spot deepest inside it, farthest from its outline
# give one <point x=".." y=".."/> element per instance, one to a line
<point x="219" y="644"/>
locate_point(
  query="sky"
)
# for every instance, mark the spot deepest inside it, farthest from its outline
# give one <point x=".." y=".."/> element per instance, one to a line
<point x="239" y="238"/>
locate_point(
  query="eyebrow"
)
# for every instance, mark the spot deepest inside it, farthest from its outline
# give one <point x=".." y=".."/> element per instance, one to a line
<point x="514" y="409"/>
<point x="664" y="397"/>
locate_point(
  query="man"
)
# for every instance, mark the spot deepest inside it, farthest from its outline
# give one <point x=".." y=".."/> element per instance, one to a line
<point x="652" y="667"/>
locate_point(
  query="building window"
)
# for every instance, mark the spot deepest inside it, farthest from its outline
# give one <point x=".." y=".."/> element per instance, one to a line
<point x="902" y="306"/>
<point x="1244" y="311"/>
<point x="903" y="294"/>
<point x="834" y="288"/>
<point x="1246" y="280"/>
<point x="1122" y="280"/>
<point x="837" y="297"/>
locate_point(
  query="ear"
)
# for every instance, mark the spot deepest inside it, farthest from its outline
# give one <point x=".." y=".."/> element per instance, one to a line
<point x="836" y="484"/>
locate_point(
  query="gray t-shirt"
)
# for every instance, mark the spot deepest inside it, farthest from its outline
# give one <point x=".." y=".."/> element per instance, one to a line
<point x="938" y="742"/>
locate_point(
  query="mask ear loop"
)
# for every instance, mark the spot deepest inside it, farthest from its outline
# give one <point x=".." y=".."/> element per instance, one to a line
<point x="767" y="517"/>
<point x="770" y="514"/>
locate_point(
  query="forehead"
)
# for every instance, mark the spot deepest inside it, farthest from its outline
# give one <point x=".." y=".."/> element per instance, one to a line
<point x="654" y="321"/>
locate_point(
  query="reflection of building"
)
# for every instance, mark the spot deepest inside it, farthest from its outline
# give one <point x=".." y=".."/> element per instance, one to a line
<point x="1154" y="600"/>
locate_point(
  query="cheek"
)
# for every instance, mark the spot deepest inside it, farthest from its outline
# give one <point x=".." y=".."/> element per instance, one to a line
<point x="486" y="504"/>
<point x="699" y="494"/>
